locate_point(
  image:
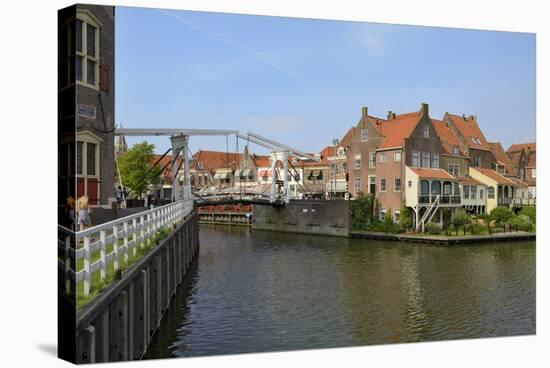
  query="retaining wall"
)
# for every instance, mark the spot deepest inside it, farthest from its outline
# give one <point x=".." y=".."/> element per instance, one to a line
<point x="119" y="323"/>
<point x="308" y="217"/>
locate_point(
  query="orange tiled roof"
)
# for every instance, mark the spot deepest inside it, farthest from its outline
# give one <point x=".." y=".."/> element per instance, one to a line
<point x="376" y="122"/>
<point x="426" y="173"/>
<point x="395" y="131"/>
<point x="469" y="128"/>
<point x="346" y="138"/>
<point x="261" y="161"/>
<point x="501" y="156"/>
<point x="468" y="180"/>
<point x="212" y="160"/>
<point x="517" y="181"/>
<point x="532" y="162"/>
<point x="492" y="174"/>
<point x="448" y="138"/>
<point x="525" y="146"/>
<point x="166" y="160"/>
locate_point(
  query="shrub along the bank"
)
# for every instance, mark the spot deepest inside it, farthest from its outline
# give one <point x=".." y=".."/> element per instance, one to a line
<point x="362" y="211"/>
<point x="432" y="228"/>
<point x="460" y="218"/>
<point x="501" y="215"/>
<point x="530" y="212"/>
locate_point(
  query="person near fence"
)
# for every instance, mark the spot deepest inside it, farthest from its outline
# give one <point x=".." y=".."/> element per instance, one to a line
<point x="69" y="212"/>
<point x="84" y="211"/>
<point x="118" y="195"/>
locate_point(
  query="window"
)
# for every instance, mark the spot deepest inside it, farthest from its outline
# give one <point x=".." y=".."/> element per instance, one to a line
<point x="382" y="156"/>
<point x="91" y="158"/>
<point x="383" y="184"/>
<point x="397" y="156"/>
<point x="372" y="160"/>
<point x="425" y="159"/>
<point x="473" y="190"/>
<point x="341" y="151"/>
<point x="410" y="184"/>
<point x="435" y="160"/>
<point x="334" y="168"/>
<point x="415" y="159"/>
<point x="396" y="215"/>
<point x="86" y="55"/>
<point x="397" y="184"/>
<point x="453" y="170"/>
<point x="357" y="184"/>
<point x="383" y="212"/>
<point x="466" y="190"/>
<point x="426" y="131"/>
<point x="477" y="161"/>
<point x="533" y="173"/>
<point x="481" y="193"/>
<point x="476" y="141"/>
<point x="456" y="151"/>
<point x="491" y="193"/>
<point x="364" y="135"/>
<point x="357" y="162"/>
<point x="79" y="150"/>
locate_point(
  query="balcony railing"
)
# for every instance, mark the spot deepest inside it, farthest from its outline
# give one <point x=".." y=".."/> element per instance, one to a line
<point x="524" y="201"/>
<point x="444" y="199"/>
<point x="504" y="201"/>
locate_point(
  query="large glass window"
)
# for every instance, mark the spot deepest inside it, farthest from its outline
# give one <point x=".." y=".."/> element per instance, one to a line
<point x="425" y="159"/>
<point x="415" y="159"/>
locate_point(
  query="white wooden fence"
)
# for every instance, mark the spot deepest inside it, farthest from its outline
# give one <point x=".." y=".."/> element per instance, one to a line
<point x="125" y="234"/>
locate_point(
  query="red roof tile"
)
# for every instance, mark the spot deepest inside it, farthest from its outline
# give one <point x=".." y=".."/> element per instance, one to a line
<point x="525" y="146"/>
<point x="432" y="173"/>
<point x="501" y="156"/>
<point x="396" y="130"/>
<point x="448" y="138"/>
<point x="261" y="161"/>
<point x="469" y="128"/>
<point x="468" y="180"/>
<point x="532" y="161"/>
<point x="212" y="160"/>
<point x="492" y="174"/>
<point x="517" y="181"/>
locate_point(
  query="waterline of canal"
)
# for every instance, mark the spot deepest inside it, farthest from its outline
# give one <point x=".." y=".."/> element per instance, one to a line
<point x="254" y="291"/>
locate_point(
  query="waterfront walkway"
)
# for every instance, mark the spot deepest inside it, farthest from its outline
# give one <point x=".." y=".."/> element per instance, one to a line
<point x="442" y="239"/>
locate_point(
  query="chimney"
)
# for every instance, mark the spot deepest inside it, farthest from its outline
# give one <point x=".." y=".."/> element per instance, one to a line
<point x="463" y="117"/>
<point x="424" y="108"/>
<point x="389" y="117"/>
<point x="365" y="112"/>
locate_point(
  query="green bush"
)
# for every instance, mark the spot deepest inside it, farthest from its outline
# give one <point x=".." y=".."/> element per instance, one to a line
<point x="451" y="228"/>
<point x="362" y="211"/>
<point x="501" y="215"/>
<point x="530" y="212"/>
<point x="386" y="226"/>
<point x="432" y="228"/>
<point x="405" y="216"/>
<point x="460" y="218"/>
<point x="478" y="229"/>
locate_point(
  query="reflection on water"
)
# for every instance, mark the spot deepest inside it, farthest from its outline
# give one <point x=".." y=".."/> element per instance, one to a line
<point x="253" y="291"/>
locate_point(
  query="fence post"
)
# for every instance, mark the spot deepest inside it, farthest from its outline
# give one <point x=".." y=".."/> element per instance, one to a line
<point x="125" y="229"/>
<point x="134" y="236"/>
<point x="103" y="268"/>
<point x="87" y="276"/>
<point x="141" y="232"/>
<point x="68" y="264"/>
<point x="115" y="248"/>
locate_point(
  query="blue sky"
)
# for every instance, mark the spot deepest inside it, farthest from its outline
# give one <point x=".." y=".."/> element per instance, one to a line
<point x="303" y="81"/>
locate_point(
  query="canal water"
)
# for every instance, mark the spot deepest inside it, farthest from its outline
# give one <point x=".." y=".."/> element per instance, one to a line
<point x="253" y="291"/>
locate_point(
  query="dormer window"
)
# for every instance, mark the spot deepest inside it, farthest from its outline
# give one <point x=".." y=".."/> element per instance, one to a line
<point x="341" y="151"/>
<point x="426" y="131"/>
<point x="476" y="141"/>
<point x="364" y="135"/>
<point x="456" y="151"/>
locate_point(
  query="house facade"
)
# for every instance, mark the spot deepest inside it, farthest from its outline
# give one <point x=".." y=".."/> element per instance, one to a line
<point x="86" y="89"/>
<point x="524" y="160"/>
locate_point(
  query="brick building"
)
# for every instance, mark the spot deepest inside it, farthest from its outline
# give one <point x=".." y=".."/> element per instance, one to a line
<point x="86" y="102"/>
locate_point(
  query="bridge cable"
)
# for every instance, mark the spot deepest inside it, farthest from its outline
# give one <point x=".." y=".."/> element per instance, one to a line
<point x="149" y="171"/>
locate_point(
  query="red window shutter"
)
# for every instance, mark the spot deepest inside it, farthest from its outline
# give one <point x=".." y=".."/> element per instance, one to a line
<point x="104" y="77"/>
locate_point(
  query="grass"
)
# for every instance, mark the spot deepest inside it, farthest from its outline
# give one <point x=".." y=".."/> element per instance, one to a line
<point x="96" y="284"/>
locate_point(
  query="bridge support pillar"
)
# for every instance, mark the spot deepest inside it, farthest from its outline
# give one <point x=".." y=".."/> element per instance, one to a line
<point x="277" y="156"/>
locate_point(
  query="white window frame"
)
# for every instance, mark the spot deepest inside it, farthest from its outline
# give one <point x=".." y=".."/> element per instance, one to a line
<point x="395" y="189"/>
<point x="372" y="160"/>
<point x="417" y="154"/>
<point x="425" y="160"/>
<point x="384" y="187"/>
<point x="434" y="161"/>
<point x="364" y="135"/>
<point x="357" y="161"/>
<point x="383" y="212"/>
<point x="396" y="215"/>
<point x="456" y="151"/>
<point x="88" y="137"/>
<point x="397" y="156"/>
<point x="426" y="131"/>
<point x="382" y="156"/>
<point x="87" y="18"/>
<point x="357" y="184"/>
<point x="452" y="171"/>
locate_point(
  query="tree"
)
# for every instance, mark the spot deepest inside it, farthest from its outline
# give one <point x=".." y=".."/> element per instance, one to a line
<point x="362" y="210"/>
<point x="135" y="167"/>
<point x="531" y="212"/>
<point x="501" y="215"/>
<point x="405" y="216"/>
<point x="460" y="218"/>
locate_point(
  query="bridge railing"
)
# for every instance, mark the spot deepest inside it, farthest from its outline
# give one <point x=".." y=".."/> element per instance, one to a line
<point x="100" y="248"/>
